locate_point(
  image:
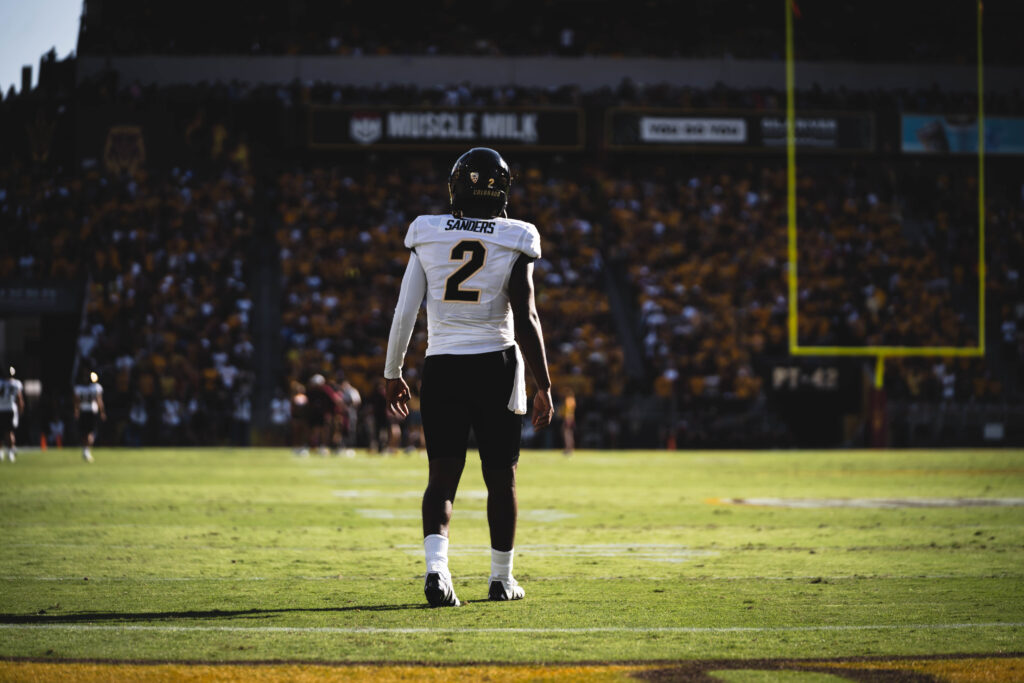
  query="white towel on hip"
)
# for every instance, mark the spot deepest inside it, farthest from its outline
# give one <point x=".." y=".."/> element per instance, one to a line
<point x="517" y="401"/>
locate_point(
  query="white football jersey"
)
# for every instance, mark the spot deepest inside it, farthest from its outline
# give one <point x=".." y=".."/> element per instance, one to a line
<point x="88" y="396"/>
<point x="9" y="390"/>
<point x="467" y="262"/>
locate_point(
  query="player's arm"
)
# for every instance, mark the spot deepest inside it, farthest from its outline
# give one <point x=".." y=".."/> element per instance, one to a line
<point x="21" y="403"/>
<point x="530" y="337"/>
<point x="74" y="402"/>
<point x="410" y="296"/>
<point x="103" y="409"/>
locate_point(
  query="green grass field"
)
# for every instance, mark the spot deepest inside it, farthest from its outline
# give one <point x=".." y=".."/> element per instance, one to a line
<point x="257" y="555"/>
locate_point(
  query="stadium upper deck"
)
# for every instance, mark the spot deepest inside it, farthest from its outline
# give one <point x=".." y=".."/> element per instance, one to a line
<point x="848" y="30"/>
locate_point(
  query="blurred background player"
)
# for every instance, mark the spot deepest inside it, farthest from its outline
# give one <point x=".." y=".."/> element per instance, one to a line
<point x="89" y="411"/>
<point x="382" y="425"/>
<point x="300" y="418"/>
<point x="568" y="422"/>
<point x="338" y="424"/>
<point x="12" y="405"/>
<point x="323" y="406"/>
<point x="353" y="401"/>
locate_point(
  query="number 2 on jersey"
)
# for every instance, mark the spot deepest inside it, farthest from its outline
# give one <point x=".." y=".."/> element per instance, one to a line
<point x="477" y="253"/>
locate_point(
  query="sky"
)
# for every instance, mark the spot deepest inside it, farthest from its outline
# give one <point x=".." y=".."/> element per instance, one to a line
<point x="28" y="29"/>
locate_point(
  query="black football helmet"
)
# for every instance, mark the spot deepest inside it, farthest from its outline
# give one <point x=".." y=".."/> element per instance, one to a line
<point x="479" y="184"/>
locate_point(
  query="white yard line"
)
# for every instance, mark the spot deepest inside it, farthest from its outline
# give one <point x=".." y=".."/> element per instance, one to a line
<point x="469" y="494"/>
<point x="870" y="503"/>
<point x="341" y="630"/>
<point x="541" y="515"/>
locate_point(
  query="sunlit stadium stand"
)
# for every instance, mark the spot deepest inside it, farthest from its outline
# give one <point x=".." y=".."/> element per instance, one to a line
<point x="226" y="239"/>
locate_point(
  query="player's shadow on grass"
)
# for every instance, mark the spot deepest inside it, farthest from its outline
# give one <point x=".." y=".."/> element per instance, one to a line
<point x="78" y="617"/>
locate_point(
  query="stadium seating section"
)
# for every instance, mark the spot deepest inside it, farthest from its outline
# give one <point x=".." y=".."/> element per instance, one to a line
<point x="693" y="245"/>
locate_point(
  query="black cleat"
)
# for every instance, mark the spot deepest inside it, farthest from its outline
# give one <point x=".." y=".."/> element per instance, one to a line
<point x="439" y="591"/>
<point x="507" y="589"/>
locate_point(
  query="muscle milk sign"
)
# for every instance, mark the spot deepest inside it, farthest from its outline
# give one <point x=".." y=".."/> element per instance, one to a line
<point x="367" y="129"/>
<point x="386" y="127"/>
<point x="462" y="126"/>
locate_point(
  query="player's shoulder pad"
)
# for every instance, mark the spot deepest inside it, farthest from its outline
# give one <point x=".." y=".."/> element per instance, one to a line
<point x="422" y="227"/>
<point x="528" y="239"/>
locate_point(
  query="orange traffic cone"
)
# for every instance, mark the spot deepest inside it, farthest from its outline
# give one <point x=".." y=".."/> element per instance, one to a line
<point x="42" y="442"/>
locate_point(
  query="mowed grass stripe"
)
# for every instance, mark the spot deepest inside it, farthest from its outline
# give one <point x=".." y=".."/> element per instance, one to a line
<point x="400" y="630"/>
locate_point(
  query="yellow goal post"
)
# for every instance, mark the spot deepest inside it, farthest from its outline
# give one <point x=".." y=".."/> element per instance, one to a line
<point x="879" y="353"/>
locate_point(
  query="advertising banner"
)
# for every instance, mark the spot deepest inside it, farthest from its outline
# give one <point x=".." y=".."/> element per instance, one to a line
<point x="652" y="129"/>
<point x="938" y="134"/>
<point x="692" y="130"/>
<point x="442" y="128"/>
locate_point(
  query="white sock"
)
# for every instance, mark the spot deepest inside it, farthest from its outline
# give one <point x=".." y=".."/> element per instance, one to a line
<point x="501" y="563"/>
<point x="3" y="454"/>
<point x="435" y="547"/>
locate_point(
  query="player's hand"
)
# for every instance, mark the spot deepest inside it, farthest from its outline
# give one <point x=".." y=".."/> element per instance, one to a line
<point x="542" y="410"/>
<point x="398" y="398"/>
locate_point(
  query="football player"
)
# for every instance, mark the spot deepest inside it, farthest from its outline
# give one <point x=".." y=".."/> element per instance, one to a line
<point x="475" y="268"/>
<point x="323" y="403"/>
<point x="89" y="407"/>
<point x="12" y="405"/>
<point x="568" y="422"/>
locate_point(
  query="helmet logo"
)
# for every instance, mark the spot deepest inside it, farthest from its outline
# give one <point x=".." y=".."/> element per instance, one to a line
<point x="474" y="176"/>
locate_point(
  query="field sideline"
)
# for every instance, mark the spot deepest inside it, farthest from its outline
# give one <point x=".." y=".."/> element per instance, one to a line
<point x="223" y="555"/>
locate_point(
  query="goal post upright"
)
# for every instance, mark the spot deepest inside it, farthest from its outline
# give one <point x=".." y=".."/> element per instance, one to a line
<point x="982" y="270"/>
<point x="879" y="353"/>
<point x="794" y="341"/>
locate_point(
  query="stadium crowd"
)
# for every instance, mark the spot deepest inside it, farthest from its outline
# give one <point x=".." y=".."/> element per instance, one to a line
<point x="886" y="257"/>
<point x="342" y="257"/>
<point x="216" y="98"/>
<point x="706" y="255"/>
<point x="167" y="319"/>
